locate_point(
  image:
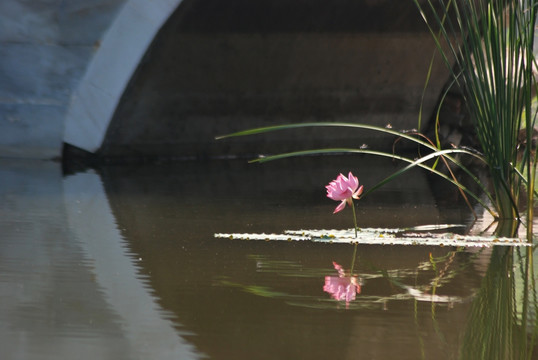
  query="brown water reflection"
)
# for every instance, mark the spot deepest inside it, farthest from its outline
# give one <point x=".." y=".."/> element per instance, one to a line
<point x="169" y="214"/>
<point x="128" y="268"/>
<point x="69" y="288"/>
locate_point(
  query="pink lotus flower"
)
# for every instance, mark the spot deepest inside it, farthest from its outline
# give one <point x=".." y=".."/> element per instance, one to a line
<point x="341" y="287"/>
<point x="344" y="189"/>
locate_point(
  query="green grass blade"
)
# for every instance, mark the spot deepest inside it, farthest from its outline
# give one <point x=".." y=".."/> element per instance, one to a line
<point x="387" y="131"/>
<point x="412" y="164"/>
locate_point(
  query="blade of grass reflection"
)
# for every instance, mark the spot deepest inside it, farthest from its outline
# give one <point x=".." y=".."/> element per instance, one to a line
<point x="530" y="259"/>
<point x="417" y="329"/>
<point x="526" y="300"/>
<point x="491" y="327"/>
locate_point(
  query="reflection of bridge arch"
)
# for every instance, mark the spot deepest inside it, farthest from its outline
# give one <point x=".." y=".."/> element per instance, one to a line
<point x="94" y="100"/>
<point x="146" y="327"/>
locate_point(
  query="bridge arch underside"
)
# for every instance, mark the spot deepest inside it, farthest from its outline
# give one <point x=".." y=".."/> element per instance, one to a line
<point x="218" y="67"/>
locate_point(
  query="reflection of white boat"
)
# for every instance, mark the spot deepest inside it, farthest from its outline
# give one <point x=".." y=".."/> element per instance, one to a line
<point x="68" y="286"/>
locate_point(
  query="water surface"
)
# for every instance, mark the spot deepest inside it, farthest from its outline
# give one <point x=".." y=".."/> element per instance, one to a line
<point x="121" y="263"/>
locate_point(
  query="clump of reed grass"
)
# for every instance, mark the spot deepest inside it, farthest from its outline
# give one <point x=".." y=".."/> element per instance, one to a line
<point x="491" y="44"/>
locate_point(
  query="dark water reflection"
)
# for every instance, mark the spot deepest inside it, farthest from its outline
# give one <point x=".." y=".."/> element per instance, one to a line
<point x="123" y="265"/>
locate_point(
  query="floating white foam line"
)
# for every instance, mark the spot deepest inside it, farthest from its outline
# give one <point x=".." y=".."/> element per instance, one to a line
<point x="373" y="236"/>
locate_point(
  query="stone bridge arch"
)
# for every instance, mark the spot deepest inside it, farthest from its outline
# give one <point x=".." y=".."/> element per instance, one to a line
<point x="221" y="66"/>
<point x="117" y="56"/>
<point x="79" y="72"/>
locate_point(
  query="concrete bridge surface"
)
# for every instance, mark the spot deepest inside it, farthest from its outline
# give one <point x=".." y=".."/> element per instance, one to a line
<point x="164" y="77"/>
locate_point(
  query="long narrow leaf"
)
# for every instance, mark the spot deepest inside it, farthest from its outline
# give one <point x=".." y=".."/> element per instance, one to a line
<point x="412" y="164"/>
<point x="359" y="126"/>
<point x="387" y="131"/>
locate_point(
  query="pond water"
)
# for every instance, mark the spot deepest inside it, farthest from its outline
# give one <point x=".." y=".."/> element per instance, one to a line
<point x="122" y="263"/>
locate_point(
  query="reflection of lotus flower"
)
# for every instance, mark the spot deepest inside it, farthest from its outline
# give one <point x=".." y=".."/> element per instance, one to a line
<point x="341" y="287"/>
<point x="344" y="189"/>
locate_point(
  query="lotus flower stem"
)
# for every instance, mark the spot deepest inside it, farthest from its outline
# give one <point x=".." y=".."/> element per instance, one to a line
<point x="354" y="219"/>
